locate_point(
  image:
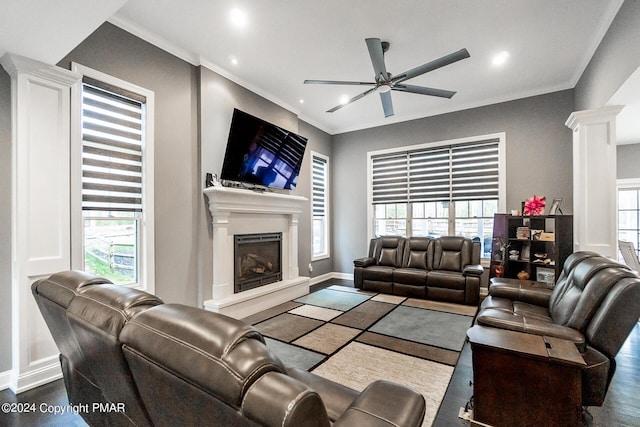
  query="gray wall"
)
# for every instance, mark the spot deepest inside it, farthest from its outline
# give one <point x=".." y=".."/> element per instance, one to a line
<point x="5" y="221"/>
<point x="193" y="106"/>
<point x="320" y="142"/>
<point x="218" y="97"/>
<point x="617" y="57"/>
<point x="538" y="158"/>
<point x="120" y="54"/>
<point x="628" y="157"/>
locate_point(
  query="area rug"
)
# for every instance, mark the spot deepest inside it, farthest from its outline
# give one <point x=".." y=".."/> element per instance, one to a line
<point x="355" y="337"/>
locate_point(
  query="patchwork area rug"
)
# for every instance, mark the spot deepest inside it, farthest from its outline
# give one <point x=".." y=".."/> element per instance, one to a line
<point x="355" y="337"/>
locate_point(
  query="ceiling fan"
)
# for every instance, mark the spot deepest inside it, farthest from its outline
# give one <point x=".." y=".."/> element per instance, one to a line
<point x="385" y="82"/>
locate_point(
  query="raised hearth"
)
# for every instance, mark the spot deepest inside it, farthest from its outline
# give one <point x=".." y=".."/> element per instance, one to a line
<point x="237" y="212"/>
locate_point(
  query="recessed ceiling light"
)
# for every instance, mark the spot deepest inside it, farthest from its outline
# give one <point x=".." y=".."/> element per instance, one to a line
<point x="234" y="61"/>
<point x="238" y="17"/>
<point x="500" y="58"/>
<point x="301" y="101"/>
<point x="344" y="99"/>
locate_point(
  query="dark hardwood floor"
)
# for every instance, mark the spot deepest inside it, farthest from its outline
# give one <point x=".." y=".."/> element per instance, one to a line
<point x="621" y="407"/>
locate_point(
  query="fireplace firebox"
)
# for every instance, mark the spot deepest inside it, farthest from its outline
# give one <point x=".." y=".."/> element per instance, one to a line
<point x="257" y="260"/>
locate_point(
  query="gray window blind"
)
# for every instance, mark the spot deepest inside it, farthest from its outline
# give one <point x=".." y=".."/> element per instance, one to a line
<point x="111" y="149"/>
<point x="319" y="184"/>
<point x="457" y="172"/>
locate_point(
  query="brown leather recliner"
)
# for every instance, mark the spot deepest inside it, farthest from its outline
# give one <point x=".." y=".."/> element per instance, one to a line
<point x="171" y="364"/>
<point x="445" y="268"/>
<point x="594" y="304"/>
<point x="53" y="296"/>
<point x="97" y="315"/>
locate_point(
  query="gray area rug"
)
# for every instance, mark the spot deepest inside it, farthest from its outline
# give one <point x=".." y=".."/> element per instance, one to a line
<point x="293" y="356"/>
<point x="436" y="328"/>
<point x="408" y="341"/>
<point x="333" y="299"/>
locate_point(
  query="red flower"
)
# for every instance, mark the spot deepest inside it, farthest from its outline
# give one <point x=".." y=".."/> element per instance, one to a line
<point x="534" y="205"/>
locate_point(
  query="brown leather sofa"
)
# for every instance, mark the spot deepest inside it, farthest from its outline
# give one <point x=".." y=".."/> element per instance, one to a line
<point x="595" y="304"/>
<point x="445" y="268"/>
<point x="170" y="364"/>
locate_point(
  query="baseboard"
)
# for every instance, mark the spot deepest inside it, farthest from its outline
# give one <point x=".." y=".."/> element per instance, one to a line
<point x="328" y="276"/>
<point x="47" y="371"/>
<point x="5" y="380"/>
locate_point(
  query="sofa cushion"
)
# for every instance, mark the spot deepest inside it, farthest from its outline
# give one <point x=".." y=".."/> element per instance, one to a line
<point x="415" y="252"/>
<point x="529" y="324"/>
<point x="451" y="253"/>
<point x="410" y="276"/>
<point x="565" y="299"/>
<point x="379" y="273"/>
<point x="446" y="279"/>
<point x="201" y="347"/>
<point x="389" y="251"/>
<point x="388" y="257"/>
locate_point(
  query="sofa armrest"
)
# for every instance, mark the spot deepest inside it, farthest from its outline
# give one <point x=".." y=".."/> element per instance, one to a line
<point x="384" y="403"/>
<point x="472" y="270"/>
<point x="278" y="400"/>
<point x="336" y="397"/>
<point x="364" y="262"/>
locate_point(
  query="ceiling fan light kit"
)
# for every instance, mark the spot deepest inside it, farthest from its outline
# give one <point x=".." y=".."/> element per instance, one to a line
<point x="385" y="82"/>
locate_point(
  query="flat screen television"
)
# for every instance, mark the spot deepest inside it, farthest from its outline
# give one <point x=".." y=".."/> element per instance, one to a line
<point x="262" y="154"/>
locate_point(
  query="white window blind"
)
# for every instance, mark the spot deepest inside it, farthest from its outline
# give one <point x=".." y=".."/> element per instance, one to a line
<point x="112" y="140"/>
<point x="447" y="173"/>
<point x="319" y="185"/>
<point x="320" y="205"/>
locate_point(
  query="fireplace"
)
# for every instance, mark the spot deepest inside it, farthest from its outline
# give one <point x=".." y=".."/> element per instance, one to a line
<point x="257" y="260"/>
<point x="238" y="212"/>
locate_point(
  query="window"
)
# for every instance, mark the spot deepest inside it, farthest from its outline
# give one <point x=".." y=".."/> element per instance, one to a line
<point x="320" y="205"/>
<point x="448" y="188"/>
<point x="629" y="213"/>
<point x="114" y="196"/>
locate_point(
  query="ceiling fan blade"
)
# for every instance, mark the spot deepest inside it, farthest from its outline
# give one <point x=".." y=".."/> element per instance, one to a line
<point x="433" y="65"/>
<point x="423" y="90"/>
<point x="338" y="82"/>
<point x="387" y="104"/>
<point x="377" y="58"/>
<point x="355" y="98"/>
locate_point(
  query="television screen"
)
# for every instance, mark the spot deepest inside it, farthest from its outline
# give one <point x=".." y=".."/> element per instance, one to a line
<point x="262" y="153"/>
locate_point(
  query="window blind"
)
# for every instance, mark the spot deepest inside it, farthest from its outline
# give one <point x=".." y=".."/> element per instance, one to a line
<point x="456" y="172"/>
<point x="319" y="184"/>
<point x="111" y="149"/>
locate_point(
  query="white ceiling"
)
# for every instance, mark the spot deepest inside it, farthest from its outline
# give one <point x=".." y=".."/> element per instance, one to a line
<point x="287" y="41"/>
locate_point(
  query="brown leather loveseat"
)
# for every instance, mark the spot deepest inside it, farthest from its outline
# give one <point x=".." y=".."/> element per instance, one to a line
<point x="156" y="364"/>
<point x="594" y="304"/>
<point x="445" y="268"/>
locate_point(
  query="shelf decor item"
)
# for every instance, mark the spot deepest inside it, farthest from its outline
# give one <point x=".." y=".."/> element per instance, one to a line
<point x="534" y="205"/>
<point x="555" y="207"/>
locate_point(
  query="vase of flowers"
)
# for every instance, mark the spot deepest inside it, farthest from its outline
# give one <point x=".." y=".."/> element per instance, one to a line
<point x="534" y="205"/>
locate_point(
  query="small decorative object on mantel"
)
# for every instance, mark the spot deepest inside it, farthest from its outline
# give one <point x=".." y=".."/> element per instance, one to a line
<point x="534" y="205"/>
<point x="523" y="275"/>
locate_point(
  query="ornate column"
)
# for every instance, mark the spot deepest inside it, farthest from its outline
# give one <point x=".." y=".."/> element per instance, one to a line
<point x="594" y="180"/>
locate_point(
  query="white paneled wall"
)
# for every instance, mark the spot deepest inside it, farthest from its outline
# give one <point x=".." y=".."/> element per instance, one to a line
<point x="41" y="238"/>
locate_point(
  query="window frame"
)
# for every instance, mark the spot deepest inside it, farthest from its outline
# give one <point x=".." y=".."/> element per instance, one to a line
<point x="625" y="184"/>
<point x="326" y="231"/>
<point x="146" y="240"/>
<point x="500" y="136"/>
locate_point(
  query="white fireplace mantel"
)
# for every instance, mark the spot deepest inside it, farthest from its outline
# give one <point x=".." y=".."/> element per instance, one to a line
<point x="239" y="211"/>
